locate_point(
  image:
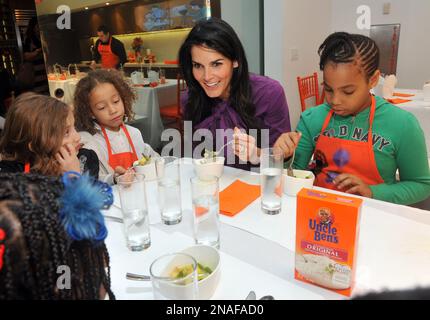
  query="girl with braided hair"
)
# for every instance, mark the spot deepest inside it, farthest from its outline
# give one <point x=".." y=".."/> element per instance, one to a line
<point x="358" y="140"/>
<point x="39" y="136"/>
<point x="43" y="228"/>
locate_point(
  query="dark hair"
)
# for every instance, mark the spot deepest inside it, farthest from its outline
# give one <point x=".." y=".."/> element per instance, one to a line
<point x="218" y="35"/>
<point x="103" y="29"/>
<point x="83" y="117"/>
<point x="342" y="47"/>
<point x="40" y="122"/>
<point x="35" y="244"/>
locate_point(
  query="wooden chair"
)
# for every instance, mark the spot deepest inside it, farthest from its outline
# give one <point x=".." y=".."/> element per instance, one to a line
<point x="173" y="111"/>
<point x="308" y="88"/>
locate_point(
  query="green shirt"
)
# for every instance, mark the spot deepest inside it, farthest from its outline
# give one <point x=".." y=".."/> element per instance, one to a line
<point x="398" y="143"/>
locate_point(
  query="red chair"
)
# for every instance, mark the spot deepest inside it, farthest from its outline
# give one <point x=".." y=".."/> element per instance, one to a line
<point x="174" y="111"/>
<point x="308" y="88"/>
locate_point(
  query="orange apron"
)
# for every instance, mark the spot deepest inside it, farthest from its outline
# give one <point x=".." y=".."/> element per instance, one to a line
<point x="27" y="167"/>
<point x="334" y="156"/>
<point x="124" y="159"/>
<point x="109" y="59"/>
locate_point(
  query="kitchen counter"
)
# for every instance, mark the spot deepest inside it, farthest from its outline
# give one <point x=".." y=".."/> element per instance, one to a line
<point x="134" y="65"/>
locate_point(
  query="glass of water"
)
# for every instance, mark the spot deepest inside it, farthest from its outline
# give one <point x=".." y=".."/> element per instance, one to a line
<point x="134" y="208"/>
<point x="169" y="189"/>
<point x="271" y="166"/>
<point x="205" y="196"/>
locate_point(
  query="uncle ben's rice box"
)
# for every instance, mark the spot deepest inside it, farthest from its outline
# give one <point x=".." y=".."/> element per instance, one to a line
<point x="327" y="227"/>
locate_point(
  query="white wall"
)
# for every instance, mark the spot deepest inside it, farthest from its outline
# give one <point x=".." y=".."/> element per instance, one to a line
<point x="304" y="24"/>
<point x="413" y="65"/>
<point x="244" y="17"/>
<point x="294" y="24"/>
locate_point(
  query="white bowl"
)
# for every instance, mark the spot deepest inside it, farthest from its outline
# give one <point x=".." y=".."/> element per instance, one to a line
<point x="292" y="185"/>
<point x="206" y="171"/>
<point x="205" y="255"/>
<point x="209" y="257"/>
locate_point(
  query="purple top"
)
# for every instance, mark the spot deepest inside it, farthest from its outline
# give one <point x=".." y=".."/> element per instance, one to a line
<point x="271" y="109"/>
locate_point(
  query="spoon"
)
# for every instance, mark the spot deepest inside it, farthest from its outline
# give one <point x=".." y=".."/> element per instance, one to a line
<point x="222" y="148"/>
<point x="290" y="171"/>
<point x="137" y="277"/>
<point x="114" y="219"/>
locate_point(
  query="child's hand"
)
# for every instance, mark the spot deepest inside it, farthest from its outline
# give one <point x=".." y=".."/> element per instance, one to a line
<point x="287" y="143"/>
<point x="351" y="184"/>
<point x="67" y="157"/>
<point x="245" y="147"/>
<point x="127" y="173"/>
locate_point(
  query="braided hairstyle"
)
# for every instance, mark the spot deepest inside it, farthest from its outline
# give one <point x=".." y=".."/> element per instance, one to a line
<point x="36" y="244"/>
<point x="343" y="47"/>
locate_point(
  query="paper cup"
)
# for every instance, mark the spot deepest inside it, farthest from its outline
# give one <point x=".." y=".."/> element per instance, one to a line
<point x="292" y="185"/>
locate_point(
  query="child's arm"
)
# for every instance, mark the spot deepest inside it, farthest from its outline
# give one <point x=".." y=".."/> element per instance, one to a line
<point x="412" y="161"/>
<point x="96" y="144"/>
<point x="306" y="146"/>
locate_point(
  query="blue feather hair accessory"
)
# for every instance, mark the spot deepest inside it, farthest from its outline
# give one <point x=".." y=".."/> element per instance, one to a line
<point x="81" y="202"/>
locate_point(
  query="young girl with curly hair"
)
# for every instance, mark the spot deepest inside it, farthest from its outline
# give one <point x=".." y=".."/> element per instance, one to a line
<point x="103" y="101"/>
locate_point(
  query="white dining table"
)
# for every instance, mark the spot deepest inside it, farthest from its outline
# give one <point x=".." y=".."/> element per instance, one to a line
<point x="67" y="86"/>
<point x="257" y="250"/>
<point x="148" y="103"/>
<point x="419" y="108"/>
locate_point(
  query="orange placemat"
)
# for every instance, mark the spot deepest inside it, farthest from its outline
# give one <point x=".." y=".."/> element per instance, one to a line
<point x="403" y="95"/>
<point x="398" y="101"/>
<point x="237" y="197"/>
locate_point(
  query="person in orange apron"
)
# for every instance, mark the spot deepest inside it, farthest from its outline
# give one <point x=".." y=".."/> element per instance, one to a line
<point x="109" y="59"/>
<point x="339" y="157"/>
<point x="359" y="141"/>
<point x="340" y="163"/>
<point x="109" y="50"/>
<point x="124" y="159"/>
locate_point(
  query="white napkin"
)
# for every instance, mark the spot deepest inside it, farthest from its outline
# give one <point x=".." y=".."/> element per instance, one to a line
<point x="153" y="76"/>
<point x="389" y="85"/>
<point x="377" y="90"/>
<point x="137" y="77"/>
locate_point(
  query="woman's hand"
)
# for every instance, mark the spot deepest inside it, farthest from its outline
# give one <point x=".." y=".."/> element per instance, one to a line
<point x="67" y="157"/>
<point x="351" y="184"/>
<point x="245" y="147"/>
<point x="287" y="143"/>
